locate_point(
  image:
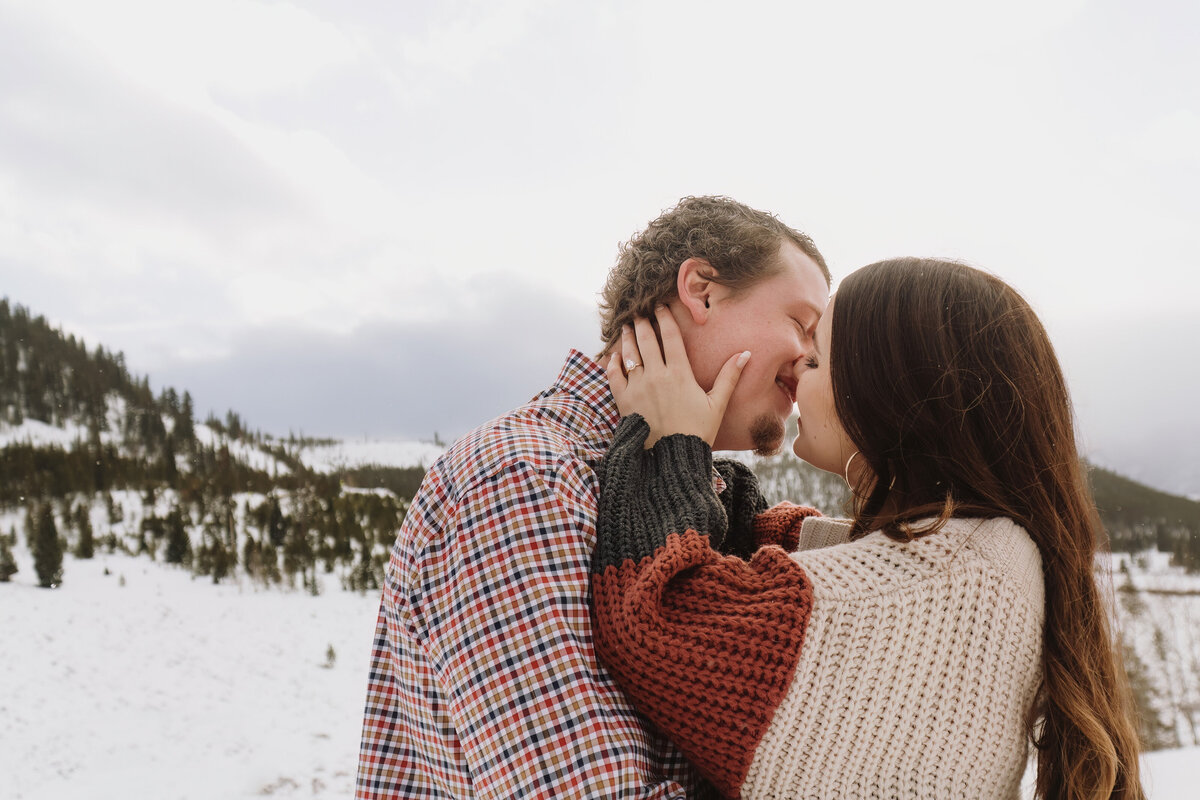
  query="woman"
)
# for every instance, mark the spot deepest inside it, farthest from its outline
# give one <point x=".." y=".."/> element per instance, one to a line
<point x="951" y="622"/>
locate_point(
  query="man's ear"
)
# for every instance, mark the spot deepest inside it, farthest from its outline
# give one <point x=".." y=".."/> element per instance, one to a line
<point x="696" y="288"/>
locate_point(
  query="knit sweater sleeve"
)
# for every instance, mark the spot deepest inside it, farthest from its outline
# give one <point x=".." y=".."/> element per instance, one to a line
<point x="743" y="502"/>
<point x="781" y="524"/>
<point x="704" y="644"/>
<point x="751" y="524"/>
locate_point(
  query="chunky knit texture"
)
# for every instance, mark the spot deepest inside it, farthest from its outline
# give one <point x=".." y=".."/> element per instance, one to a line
<point x="781" y="525"/>
<point x="633" y="479"/>
<point x="864" y="669"/>
<point x="743" y="505"/>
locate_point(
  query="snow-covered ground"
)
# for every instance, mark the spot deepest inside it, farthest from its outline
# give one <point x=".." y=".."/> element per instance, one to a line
<point x="382" y="452"/>
<point x="135" y="680"/>
<point x="146" y="683"/>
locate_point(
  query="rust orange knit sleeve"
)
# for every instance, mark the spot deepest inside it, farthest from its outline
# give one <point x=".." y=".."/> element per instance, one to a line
<point x="780" y="525"/>
<point x="704" y="644"/>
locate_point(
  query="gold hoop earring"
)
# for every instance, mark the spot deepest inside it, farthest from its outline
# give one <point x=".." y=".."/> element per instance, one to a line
<point x="846" y="470"/>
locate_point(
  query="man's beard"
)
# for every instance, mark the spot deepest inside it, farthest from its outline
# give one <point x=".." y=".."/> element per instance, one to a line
<point x="767" y="434"/>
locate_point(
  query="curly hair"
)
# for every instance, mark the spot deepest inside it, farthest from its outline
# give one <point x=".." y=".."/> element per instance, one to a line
<point x="739" y="243"/>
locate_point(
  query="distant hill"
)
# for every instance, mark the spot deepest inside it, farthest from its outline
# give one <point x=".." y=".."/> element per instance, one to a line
<point x="90" y="443"/>
<point x="1136" y="517"/>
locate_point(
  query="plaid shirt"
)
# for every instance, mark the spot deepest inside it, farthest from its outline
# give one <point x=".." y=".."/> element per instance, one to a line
<point x="483" y="681"/>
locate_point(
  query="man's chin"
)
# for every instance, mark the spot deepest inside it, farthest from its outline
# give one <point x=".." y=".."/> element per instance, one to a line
<point x="767" y="433"/>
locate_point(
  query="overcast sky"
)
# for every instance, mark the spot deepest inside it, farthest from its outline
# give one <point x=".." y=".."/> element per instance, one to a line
<point x="392" y="218"/>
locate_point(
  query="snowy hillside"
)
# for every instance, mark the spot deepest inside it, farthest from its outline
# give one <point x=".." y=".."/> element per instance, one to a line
<point x="68" y="433"/>
<point x="135" y="680"/>
<point x="251" y="455"/>
<point x="329" y="456"/>
<point x="39" y="434"/>
<point x="1159" y="611"/>
<point x="380" y="452"/>
<point x="71" y="435"/>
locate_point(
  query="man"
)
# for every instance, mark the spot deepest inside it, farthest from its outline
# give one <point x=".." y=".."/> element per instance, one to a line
<point x="483" y="681"/>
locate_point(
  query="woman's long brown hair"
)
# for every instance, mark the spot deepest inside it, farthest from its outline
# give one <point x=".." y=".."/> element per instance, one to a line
<point x="947" y="383"/>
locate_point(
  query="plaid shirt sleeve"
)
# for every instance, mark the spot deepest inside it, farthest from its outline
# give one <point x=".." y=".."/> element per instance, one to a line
<point x="508" y="699"/>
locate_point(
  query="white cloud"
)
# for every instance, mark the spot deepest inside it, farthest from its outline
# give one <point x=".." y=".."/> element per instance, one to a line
<point x="1173" y="138"/>
<point x="188" y="48"/>
<point x="493" y="345"/>
<point x="331" y="165"/>
<point x="186" y="60"/>
<point x="460" y="37"/>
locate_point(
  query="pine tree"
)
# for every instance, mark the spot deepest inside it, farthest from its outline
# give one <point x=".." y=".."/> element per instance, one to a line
<point x="8" y="565"/>
<point x="179" y="548"/>
<point x="277" y="528"/>
<point x="30" y="526"/>
<point x="86" y="548"/>
<point x="152" y="527"/>
<point x="270" y="564"/>
<point x="220" y="560"/>
<point x="116" y="512"/>
<point x="185" y="424"/>
<point x="252" y="558"/>
<point x="170" y="469"/>
<point x="1152" y="731"/>
<point x="212" y="557"/>
<point x="47" y="550"/>
<point x="169" y="401"/>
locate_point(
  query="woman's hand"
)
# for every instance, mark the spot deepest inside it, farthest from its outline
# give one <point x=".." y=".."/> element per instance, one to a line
<point x="659" y="385"/>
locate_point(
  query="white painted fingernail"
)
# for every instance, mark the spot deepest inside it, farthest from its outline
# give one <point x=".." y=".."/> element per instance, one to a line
<point x="743" y="358"/>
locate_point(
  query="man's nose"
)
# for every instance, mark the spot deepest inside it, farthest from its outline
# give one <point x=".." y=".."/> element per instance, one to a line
<point x="798" y="366"/>
<point x="804" y="345"/>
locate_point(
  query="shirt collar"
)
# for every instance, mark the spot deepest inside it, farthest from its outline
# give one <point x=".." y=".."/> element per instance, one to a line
<point x="584" y="378"/>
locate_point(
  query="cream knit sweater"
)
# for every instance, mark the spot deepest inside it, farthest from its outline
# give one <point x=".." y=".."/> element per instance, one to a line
<point x="864" y="669"/>
<point x="918" y="670"/>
